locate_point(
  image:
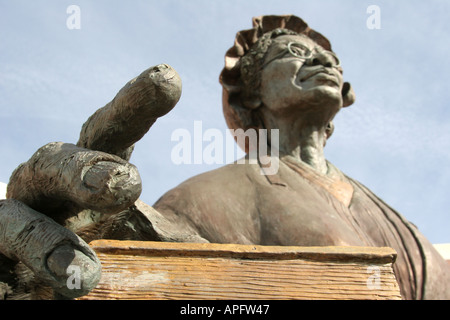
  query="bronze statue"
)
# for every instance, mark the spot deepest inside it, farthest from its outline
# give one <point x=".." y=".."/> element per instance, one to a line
<point x="279" y="75"/>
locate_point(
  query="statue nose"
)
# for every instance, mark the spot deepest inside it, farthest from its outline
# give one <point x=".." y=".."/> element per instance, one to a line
<point x="322" y="58"/>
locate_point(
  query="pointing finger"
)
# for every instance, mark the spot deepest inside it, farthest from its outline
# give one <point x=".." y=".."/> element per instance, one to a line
<point x="127" y="118"/>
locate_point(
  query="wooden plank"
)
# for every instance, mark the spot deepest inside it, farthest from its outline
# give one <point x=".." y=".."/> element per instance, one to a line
<point x="161" y="270"/>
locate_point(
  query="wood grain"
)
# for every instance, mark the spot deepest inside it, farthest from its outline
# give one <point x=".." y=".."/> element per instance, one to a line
<point x="161" y="270"/>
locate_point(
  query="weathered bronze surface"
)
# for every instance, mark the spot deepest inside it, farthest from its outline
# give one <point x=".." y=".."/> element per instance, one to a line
<point x="279" y="75"/>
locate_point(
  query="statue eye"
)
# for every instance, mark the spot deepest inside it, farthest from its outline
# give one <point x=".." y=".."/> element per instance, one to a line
<point x="299" y="50"/>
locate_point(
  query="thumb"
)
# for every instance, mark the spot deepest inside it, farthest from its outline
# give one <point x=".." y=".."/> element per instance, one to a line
<point x="57" y="256"/>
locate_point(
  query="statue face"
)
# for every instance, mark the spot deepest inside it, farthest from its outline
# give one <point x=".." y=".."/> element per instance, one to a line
<point x="298" y="74"/>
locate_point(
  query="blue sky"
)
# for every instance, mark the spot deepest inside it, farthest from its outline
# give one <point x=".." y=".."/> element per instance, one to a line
<point x="395" y="139"/>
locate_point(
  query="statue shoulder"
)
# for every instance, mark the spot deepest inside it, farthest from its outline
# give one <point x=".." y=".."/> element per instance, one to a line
<point x="227" y="181"/>
<point x="212" y="202"/>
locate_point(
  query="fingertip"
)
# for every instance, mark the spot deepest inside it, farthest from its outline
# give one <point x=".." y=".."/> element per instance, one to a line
<point x="125" y="185"/>
<point x="111" y="186"/>
<point x="76" y="272"/>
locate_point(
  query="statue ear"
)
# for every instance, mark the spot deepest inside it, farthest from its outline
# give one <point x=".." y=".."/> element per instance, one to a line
<point x="348" y="95"/>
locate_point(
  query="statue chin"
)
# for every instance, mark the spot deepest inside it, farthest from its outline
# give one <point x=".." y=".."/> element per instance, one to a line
<point x="322" y="99"/>
<point x="328" y="95"/>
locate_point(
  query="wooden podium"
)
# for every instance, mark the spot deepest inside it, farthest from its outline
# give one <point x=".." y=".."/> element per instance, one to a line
<point x="162" y="270"/>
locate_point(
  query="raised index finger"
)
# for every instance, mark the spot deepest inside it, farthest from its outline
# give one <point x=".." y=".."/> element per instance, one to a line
<point x="127" y="118"/>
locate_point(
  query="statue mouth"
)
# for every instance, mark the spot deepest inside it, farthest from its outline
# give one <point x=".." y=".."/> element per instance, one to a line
<point x="321" y="71"/>
<point x="322" y="74"/>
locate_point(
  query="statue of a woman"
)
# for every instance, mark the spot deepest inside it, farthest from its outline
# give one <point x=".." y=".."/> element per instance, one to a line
<point x="280" y="75"/>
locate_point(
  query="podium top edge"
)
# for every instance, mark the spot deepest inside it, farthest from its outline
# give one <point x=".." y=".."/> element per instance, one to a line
<point x="369" y="255"/>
